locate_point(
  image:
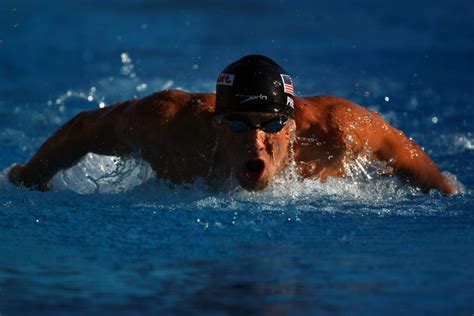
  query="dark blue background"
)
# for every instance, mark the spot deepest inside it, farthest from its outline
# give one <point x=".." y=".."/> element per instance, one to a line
<point x="296" y="249"/>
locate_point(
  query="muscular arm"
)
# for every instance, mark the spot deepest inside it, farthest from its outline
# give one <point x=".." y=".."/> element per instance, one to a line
<point x="151" y="126"/>
<point x="96" y="131"/>
<point x="411" y="163"/>
<point x="407" y="159"/>
<point x="365" y="132"/>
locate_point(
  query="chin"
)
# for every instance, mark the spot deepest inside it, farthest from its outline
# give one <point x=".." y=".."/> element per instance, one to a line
<point x="253" y="185"/>
<point x="254" y="175"/>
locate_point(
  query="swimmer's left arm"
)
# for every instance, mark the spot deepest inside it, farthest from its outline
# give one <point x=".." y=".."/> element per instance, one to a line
<point x="410" y="163"/>
<point x="403" y="156"/>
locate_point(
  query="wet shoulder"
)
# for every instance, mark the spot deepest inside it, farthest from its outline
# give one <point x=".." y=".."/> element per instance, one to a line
<point x="168" y="104"/>
<point x="323" y="104"/>
<point x="327" y="111"/>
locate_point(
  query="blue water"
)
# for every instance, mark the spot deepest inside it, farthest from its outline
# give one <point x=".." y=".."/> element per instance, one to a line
<point x="111" y="240"/>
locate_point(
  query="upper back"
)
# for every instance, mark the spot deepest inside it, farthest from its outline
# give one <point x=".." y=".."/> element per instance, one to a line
<point x="171" y="129"/>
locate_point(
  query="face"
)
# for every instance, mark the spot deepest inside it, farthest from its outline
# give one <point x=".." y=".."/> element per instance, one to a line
<point x="256" y="155"/>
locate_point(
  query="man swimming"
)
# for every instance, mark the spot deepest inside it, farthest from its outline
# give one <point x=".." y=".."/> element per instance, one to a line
<point x="246" y="130"/>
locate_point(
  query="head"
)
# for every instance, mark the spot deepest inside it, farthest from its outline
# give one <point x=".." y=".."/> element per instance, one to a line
<point x="255" y="108"/>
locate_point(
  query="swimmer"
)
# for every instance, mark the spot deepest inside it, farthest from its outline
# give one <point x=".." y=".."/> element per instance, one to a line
<point x="245" y="131"/>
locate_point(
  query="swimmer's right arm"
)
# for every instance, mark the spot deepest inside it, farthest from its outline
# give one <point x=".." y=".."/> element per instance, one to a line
<point x="95" y="131"/>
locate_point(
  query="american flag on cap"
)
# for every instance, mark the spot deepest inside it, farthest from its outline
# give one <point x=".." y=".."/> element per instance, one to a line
<point x="287" y="84"/>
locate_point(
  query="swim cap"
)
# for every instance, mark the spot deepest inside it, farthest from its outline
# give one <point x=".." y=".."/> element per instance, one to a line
<point x="254" y="83"/>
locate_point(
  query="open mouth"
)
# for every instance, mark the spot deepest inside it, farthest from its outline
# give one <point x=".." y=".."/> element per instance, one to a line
<point x="253" y="169"/>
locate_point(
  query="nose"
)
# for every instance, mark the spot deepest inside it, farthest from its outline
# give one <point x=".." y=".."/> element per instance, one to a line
<point x="256" y="142"/>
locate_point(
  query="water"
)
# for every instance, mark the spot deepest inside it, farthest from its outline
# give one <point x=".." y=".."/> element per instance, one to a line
<point x="111" y="240"/>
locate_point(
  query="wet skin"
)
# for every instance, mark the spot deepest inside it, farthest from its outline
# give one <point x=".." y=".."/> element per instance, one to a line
<point x="182" y="139"/>
<point x="256" y="156"/>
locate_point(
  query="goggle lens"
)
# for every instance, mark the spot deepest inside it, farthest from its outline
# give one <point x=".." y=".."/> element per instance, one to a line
<point x="272" y="126"/>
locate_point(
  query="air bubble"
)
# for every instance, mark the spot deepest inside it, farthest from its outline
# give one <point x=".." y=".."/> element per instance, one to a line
<point x="141" y="87"/>
<point x="167" y="84"/>
<point x="125" y="58"/>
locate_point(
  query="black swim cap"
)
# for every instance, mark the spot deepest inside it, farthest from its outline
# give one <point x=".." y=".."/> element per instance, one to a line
<point x="254" y="83"/>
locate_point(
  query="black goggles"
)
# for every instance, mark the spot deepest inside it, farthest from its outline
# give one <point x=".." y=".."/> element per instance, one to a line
<point x="273" y="125"/>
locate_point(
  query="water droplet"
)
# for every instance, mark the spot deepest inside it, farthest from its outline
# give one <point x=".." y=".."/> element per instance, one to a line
<point x="125" y="58"/>
<point x="141" y="87"/>
<point x="101" y="105"/>
<point x="387" y="99"/>
<point x="167" y="84"/>
<point x="434" y="119"/>
<point x="195" y="66"/>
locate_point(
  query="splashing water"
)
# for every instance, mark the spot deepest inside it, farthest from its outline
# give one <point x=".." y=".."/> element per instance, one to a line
<point x="103" y="174"/>
<point x="363" y="186"/>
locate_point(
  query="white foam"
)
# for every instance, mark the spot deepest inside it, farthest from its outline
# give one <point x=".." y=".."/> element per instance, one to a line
<point x="103" y="174"/>
<point x="459" y="188"/>
<point x="464" y="141"/>
<point x="355" y="194"/>
<point x="364" y="183"/>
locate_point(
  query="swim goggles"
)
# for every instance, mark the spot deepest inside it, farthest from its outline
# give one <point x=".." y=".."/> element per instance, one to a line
<point x="271" y="126"/>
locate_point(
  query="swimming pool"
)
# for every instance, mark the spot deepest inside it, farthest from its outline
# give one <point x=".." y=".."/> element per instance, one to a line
<point x="111" y="240"/>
